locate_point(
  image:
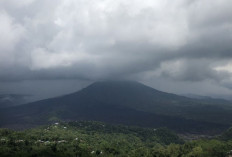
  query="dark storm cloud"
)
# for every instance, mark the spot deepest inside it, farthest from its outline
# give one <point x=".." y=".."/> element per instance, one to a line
<point x="179" y="40"/>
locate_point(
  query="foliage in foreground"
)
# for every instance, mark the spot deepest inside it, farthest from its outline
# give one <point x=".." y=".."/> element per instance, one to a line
<point x="98" y="139"/>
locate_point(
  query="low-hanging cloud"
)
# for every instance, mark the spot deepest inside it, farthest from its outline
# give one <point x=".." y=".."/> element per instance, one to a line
<point x="94" y="39"/>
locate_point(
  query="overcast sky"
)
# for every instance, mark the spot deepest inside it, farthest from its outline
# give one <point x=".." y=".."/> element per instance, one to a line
<point x="52" y="47"/>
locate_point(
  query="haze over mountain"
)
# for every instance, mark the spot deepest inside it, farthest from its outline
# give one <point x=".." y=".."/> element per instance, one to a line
<point x="125" y="102"/>
<point x="179" y="46"/>
<point x="7" y="100"/>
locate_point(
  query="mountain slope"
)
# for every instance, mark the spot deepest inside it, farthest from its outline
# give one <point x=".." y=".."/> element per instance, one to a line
<point x="124" y="102"/>
<point x="140" y="97"/>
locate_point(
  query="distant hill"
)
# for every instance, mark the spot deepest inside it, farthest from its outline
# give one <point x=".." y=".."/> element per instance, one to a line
<point x="8" y="100"/>
<point x="125" y="102"/>
<point x="207" y="98"/>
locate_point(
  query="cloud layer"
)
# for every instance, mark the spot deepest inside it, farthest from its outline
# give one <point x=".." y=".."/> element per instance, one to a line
<point x="179" y="40"/>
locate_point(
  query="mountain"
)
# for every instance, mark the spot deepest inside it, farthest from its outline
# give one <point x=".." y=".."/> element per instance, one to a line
<point x="124" y="102"/>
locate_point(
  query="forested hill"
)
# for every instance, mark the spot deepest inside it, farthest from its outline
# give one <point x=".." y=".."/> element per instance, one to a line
<point x="83" y="138"/>
<point x="89" y="139"/>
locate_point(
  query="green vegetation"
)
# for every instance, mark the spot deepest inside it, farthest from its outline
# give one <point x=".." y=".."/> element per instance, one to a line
<point x="83" y="139"/>
<point x="99" y="139"/>
<point x="227" y="135"/>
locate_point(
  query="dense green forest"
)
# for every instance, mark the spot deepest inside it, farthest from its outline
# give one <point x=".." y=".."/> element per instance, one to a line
<point x="87" y="138"/>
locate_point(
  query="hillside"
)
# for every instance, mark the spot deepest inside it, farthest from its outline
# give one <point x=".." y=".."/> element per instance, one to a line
<point x="89" y="139"/>
<point x="124" y="102"/>
<point x="83" y="139"/>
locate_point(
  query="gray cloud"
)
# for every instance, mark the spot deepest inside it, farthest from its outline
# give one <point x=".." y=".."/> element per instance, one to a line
<point x="179" y="41"/>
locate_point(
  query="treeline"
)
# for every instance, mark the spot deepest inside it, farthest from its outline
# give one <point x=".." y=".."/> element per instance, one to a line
<point x="84" y="139"/>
